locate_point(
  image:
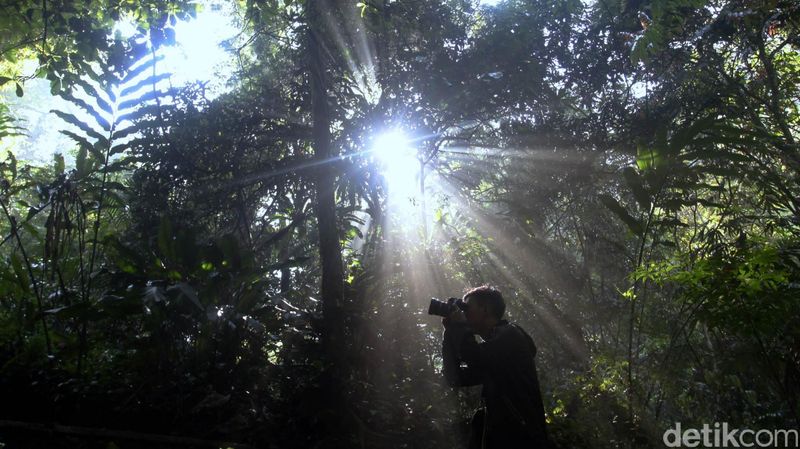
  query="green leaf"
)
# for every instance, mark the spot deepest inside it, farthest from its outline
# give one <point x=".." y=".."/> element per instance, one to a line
<point x="633" y="224"/>
<point x="165" y="244"/>
<point x="12" y="164"/>
<point x="80" y="161"/>
<point x="648" y="158"/>
<point x="22" y="277"/>
<point x="634" y="181"/>
<point x="58" y="163"/>
<point x="684" y="136"/>
<point x="125" y="258"/>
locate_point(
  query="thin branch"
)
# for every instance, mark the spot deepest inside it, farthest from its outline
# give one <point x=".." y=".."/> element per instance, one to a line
<point x="13" y="222"/>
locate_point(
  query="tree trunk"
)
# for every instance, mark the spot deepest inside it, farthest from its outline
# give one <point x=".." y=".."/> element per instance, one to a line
<point x="330" y="251"/>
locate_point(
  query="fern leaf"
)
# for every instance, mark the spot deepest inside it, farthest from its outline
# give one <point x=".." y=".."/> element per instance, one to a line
<point x="130" y="76"/>
<point x="138" y="114"/>
<point x="116" y="149"/>
<point x="102" y="121"/>
<point x="152" y="95"/>
<point x="83" y="143"/>
<point x="80" y="161"/>
<point x="125" y="132"/>
<point x="94" y="93"/>
<point x="71" y="119"/>
<point x="149" y="81"/>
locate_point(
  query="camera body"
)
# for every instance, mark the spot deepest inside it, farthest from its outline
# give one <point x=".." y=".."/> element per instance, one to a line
<point x="444" y="309"/>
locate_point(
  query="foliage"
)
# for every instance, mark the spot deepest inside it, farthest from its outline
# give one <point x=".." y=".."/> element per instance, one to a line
<point x="626" y="171"/>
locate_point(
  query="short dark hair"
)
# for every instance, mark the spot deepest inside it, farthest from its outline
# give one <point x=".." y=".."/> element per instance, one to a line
<point x="489" y="296"/>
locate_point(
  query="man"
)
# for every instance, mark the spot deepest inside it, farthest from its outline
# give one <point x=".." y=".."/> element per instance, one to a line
<point x="513" y="414"/>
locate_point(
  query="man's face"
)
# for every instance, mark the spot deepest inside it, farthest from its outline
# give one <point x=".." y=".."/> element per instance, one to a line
<point x="475" y="313"/>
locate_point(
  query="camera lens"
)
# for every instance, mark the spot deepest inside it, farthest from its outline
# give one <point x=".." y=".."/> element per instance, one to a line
<point x="439" y="308"/>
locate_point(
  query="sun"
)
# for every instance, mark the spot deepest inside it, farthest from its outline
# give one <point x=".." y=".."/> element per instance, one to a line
<point x="395" y="153"/>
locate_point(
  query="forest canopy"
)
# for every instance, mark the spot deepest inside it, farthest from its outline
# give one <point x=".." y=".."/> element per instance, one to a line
<point x="245" y="258"/>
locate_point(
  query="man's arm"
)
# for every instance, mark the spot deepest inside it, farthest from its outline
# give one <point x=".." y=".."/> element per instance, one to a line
<point x="454" y="373"/>
<point x="496" y="352"/>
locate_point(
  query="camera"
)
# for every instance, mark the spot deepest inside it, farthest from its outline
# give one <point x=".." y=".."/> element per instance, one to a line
<point x="444" y="309"/>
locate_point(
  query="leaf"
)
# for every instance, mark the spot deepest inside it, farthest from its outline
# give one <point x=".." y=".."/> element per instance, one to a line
<point x="648" y="159"/>
<point x="633" y="224"/>
<point x="186" y="250"/>
<point x="22" y="278"/>
<point x="125" y="258"/>
<point x="138" y="113"/>
<point x="684" y="136"/>
<point x="129" y="77"/>
<point x="151" y="95"/>
<point x="149" y="81"/>
<point x="82" y="141"/>
<point x="19" y="90"/>
<point x="165" y="239"/>
<point x="92" y="92"/>
<point x="102" y="121"/>
<point x="248" y="300"/>
<point x="116" y="149"/>
<point x="634" y="181"/>
<point x="80" y="161"/>
<point x="188" y="292"/>
<point x="672" y="222"/>
<point x="80" y="310"/>
<point x="58" y="163"/>
<point x="71" y="119"/>
<point x="288" y="263"/>
<point x="4" y="79"/>
<point x="124" y="132"/>
<point x="12" y="164"/>
<point x="154" y="293"/>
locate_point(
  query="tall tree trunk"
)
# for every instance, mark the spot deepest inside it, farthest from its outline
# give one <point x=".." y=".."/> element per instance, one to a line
<point x="330" y="251"/>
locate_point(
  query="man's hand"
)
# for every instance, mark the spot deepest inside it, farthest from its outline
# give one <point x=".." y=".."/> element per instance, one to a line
<point x="457" y="316"/>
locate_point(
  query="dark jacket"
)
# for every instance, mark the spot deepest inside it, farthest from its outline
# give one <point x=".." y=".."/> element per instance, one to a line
<point x="504" y="364"/>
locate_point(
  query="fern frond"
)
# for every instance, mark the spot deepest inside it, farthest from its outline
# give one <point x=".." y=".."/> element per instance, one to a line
<point x="84" y="144"/>
<point x="141" y="68"/>
<point x="147" y="82"/>
<point x="110" y="110"/>
<point x="8" y="122"/>
<point x="94" y="93"/>
<point x="72" y="120"/>
<point x="102" y="121"/>
<point x="147" y="96"/>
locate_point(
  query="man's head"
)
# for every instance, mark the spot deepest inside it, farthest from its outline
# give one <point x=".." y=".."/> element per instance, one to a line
<point x="485" y="307"/>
